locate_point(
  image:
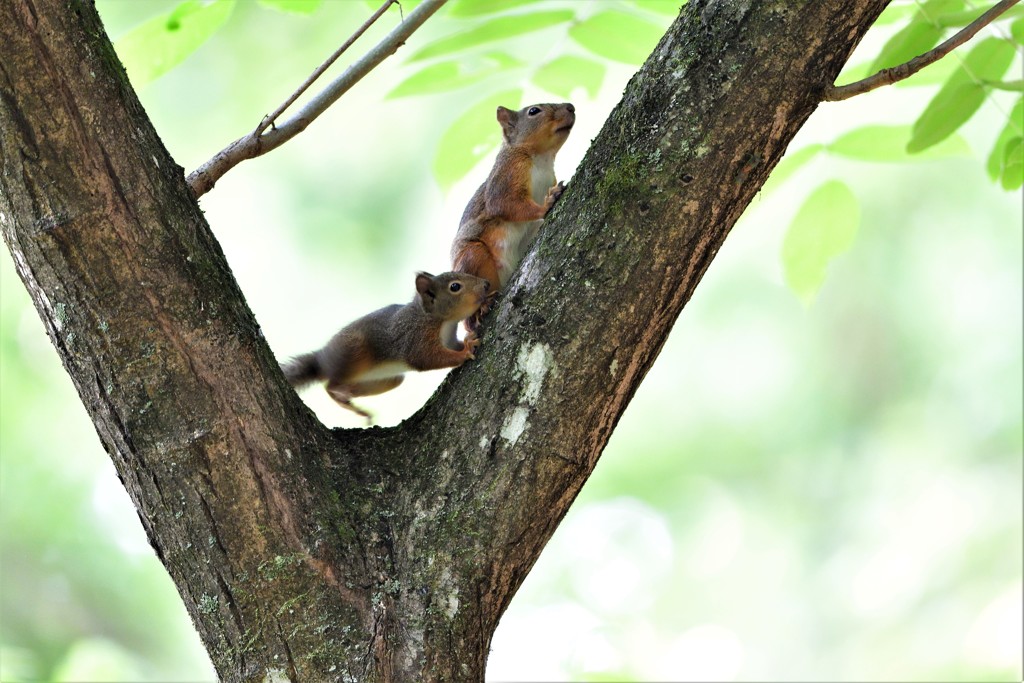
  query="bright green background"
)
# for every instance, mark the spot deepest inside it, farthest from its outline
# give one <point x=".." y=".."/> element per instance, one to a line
<point x="820" y="479"/>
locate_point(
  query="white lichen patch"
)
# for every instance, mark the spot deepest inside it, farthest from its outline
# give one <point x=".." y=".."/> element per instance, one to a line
<point x="449" y="593"/>
<point x="514" y="425"/>
<point x="276" y="676"/>
<point x="535" y="362"/>
<point x="484" y="442"/>
<point x="452" y="608"/>
<point x="613" y="368"/>
<point x="529" y="273"/>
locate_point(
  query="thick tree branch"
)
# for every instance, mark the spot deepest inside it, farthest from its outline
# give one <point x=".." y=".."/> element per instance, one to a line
<point x="261" y="141"/>
<point x="907" y="69"/>
<point x="306" y="554"/>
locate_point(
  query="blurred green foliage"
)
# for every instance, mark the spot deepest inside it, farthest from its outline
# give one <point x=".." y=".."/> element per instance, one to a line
<point x="808" y="248"/>
<point x="963" y="93"/>
<point x="817" y="490"/>
<point x="160" y="44"/>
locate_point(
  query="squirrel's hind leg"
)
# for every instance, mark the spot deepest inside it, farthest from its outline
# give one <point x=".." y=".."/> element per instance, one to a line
<point x="374" y="386"/>
<point x="342" y="395"/>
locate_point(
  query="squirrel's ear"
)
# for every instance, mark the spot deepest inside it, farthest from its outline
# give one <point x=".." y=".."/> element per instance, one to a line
<point x="507" y="119"/>
<point x="425" y="285"/>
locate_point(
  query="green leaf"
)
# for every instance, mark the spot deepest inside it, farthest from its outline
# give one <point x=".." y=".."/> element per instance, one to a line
<point x="563" y="75"/>
<point x="618" y="36"/>
<point x="1009" y="86"/>
<point x="888" y="143"/>
<point x="958" y="19"/>
<point x="954" y="104"/>
<point x="471" y="137"/>
<point x="894" y="13"/>
<point x="1014" y="128"/>
<point x="294" y="6"/>
<point x="495" y="29"/>
<point x="912" y="40"/>
<point x="474" y="8"/>
<point x="1017" y="30"/>
<point x="454" y="74"/>
<point x="852" y="74"/>
<point x="668" y="7"/>
<point x="933" y="10"/>
<point x="822" y="229"/>
<point x="920" y="35"/>
<point x="962" y="95"/>
<point x="790" y="164"/>
<point x="1013" y="164"/>
<point x="154" y="47"/>
<point x="989" y="60"/>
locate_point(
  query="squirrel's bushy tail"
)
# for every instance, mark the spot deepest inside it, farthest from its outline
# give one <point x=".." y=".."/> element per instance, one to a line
<point x="302" y="369"/>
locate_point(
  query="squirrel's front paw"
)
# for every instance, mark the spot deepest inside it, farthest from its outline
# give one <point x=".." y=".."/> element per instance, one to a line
<point x="469" y="345"/>
<point x="552" y="196"/>
<point x="488" y="303"/>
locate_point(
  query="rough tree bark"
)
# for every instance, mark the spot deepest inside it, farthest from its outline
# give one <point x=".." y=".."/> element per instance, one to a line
<point x="382" y="554"/>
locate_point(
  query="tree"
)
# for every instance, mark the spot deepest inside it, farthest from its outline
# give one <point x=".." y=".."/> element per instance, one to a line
<point x="317" y="546"/>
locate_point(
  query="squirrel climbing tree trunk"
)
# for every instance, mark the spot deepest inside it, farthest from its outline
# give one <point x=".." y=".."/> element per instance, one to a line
<point x="307" y="554"/>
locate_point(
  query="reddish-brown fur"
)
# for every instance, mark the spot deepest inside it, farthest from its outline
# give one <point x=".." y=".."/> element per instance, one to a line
<point x="501" y="219"/>
<point x="395" y="339"/>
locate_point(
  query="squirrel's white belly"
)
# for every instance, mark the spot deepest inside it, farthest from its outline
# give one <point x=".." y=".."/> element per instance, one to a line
<point x="542" y="177"/>
<point x="383" y="371"/>
<point x="449" y="336"/>
<point x="520" y="236"/>
<point x="517" y="241"/>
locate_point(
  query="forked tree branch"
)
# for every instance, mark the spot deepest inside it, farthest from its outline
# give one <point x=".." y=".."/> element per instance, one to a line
<point x="907" y="69"/>
<point x="260" y="141"/>
<point x="378" y="555"/>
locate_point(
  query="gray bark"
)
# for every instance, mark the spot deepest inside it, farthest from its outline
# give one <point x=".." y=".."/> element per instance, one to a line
<point x="308" y="554"/>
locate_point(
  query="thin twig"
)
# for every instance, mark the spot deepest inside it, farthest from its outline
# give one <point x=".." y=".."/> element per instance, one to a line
<point x="901" y="71"/>
<point x="261" y="140"/>
<point x="1012" y="86"/>
<point x="270" y="118"/>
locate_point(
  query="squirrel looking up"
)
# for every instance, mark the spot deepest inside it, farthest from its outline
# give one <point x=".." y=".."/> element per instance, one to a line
<point x="370" y="355"/>
<point x="503" y="217"/>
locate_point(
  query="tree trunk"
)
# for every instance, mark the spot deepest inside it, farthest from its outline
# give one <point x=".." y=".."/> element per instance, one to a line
<point x="309" y="554"/>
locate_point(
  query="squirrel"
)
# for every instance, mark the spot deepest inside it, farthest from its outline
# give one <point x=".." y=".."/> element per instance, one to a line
<point x="370" y="355"/>
<point x="503" y="217"/>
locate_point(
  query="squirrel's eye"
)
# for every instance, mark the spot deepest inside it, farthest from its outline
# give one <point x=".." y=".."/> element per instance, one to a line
<point x="454" y="287"/>
<point x="533" y="111"/>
